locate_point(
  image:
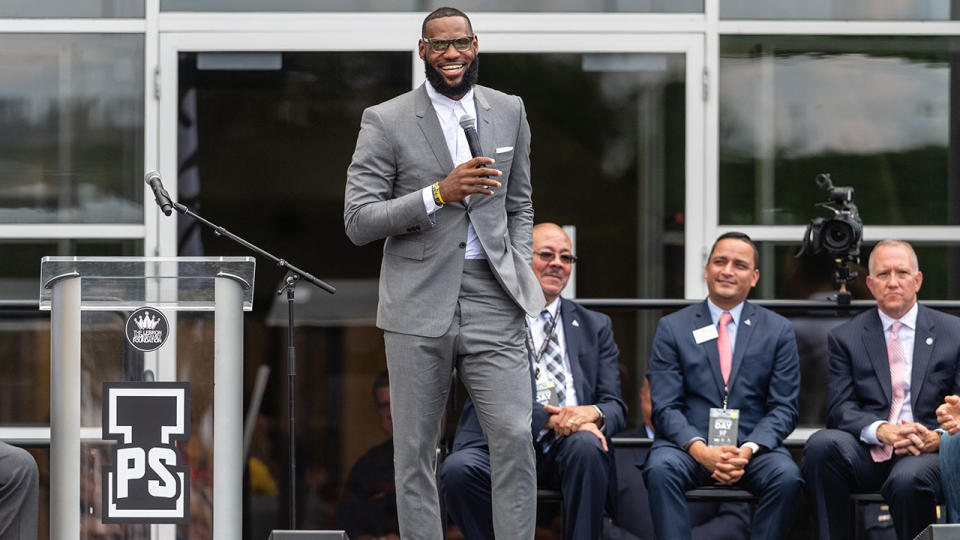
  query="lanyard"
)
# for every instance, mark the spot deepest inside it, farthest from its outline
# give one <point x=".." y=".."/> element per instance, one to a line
<point x="546" y="341"/>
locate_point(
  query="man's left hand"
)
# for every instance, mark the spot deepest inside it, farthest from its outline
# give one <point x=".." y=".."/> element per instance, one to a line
<point x="948" y="414"/>
<point x="569" y="418"/>
<point x="592" y="428"/>
<point x="917" y="439"/>
<point x="731" y="466"/>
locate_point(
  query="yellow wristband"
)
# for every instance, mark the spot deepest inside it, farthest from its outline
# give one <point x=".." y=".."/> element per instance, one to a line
<point x="436" y="194"/>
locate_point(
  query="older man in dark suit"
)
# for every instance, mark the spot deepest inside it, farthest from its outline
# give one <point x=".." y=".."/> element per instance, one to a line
<point x="574" y="365"/>
<point x="727" y="357"/>
<point x="890" y="368"/>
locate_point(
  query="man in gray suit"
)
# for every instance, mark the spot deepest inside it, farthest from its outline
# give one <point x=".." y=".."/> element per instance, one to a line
<point x="455" y="280"/>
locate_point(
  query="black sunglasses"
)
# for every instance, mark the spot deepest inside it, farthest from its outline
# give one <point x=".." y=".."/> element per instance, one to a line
<point x="461" y="43"/>
<point x="548" y="256"/>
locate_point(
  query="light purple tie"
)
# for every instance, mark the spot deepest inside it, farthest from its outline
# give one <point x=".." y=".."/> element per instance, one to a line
<point x="883" y="452"/>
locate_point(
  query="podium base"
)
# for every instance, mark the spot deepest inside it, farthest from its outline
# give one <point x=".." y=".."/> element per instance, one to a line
<point x="308" y="535"/>
<point x="940" y="532"/>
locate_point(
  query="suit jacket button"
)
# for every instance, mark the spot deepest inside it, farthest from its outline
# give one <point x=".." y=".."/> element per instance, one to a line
<point x="463" y="245"/>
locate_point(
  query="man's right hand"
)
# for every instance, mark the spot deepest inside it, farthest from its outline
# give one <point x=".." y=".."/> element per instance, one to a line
<point x="467" y="179"/>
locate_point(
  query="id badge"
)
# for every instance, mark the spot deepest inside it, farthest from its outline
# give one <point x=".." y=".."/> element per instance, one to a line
<point x="547" y="393"/>
<point x="723" y="427"/>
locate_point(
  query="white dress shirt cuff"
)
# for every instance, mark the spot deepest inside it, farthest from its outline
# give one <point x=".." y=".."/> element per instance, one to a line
<point x="428" y="203"/>
<point x="869" y="433"/>
<point x="754" y="447"/>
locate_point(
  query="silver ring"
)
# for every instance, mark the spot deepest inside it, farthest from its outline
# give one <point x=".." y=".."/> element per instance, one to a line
<point x="570" y="421"/>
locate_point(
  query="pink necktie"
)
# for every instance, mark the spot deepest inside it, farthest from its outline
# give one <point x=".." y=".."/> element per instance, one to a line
<point x="723" y="346"/>
<point x="895" y="356"/>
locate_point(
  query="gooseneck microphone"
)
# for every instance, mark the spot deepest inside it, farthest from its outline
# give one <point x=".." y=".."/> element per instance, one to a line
<point x="469" y="125"/>
<point x="152" y="179"/>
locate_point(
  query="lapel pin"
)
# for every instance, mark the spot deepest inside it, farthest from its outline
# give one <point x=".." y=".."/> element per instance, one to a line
<point x="747" y="322"/>
<point x="929" y="341"/>
<point x="575" y="323"/>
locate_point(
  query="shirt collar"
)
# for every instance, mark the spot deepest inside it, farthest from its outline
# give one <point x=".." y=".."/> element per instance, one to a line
<point x="442" y="102"/>
<point x="552" y="307"/>
<point x="715" y="312"/>
<point x="909" y="319"/>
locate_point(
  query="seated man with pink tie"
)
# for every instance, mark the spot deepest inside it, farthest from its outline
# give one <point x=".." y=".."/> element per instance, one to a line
<point x="890" y="368"/>
<point x="724" y="378"/>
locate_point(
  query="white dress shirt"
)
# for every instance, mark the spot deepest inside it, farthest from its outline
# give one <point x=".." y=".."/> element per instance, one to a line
<point x="449" y="113"/>
<point x="906" y="336"/>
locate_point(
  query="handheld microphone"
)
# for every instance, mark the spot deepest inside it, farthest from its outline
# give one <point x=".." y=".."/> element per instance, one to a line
<point x="469" y="125"/>
<point x="152" y="179"/>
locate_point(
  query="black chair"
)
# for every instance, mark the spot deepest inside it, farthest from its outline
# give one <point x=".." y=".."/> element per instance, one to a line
<point x="719" y="493"/>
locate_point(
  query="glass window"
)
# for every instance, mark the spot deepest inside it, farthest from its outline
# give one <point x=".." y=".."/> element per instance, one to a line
<point x="73" y="8"/>
<point x="607" y="156"/>
<point x="784" y="276"/>
<point x="25" y="332"/>
<point x="469" y="6"/>
<point x="71" y="128"/>
<point x="875" y="112"/>
<point x="836" y="10"/>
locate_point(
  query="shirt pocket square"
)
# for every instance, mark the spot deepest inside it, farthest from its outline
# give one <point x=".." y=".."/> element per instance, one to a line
<point x="503" y="149"/>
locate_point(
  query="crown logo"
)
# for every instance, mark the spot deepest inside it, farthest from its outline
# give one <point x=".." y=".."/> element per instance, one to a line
<point x="146" y="322"/>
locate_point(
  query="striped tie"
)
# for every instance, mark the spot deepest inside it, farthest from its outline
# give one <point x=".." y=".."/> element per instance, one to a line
<point x="553" y="358"/>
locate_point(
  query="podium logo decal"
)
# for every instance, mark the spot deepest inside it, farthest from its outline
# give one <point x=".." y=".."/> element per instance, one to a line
<point x="147" y="329"/>
<point x="147" y="483"/>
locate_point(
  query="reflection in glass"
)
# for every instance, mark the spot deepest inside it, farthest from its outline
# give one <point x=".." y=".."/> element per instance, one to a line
<point x="835" y="10"/>
<point x="71" y="128"/>
<point x="469" y="6"/>
<point x="873" y="111"/>
<point x="73" y="8"/>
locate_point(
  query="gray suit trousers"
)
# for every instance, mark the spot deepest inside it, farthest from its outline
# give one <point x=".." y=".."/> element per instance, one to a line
<point x="485" y="343"/>
<point x="19" y="494"/>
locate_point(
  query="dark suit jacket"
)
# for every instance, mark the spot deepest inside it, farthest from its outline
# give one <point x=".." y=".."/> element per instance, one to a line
<point x="858" y="387"/>
<point x="685" y="378"/>
<point x="594" y="361"/>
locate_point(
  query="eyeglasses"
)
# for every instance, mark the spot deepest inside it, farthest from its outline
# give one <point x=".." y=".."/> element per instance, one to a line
<point x="461" y="43"/>
<point x="548" y="256"/>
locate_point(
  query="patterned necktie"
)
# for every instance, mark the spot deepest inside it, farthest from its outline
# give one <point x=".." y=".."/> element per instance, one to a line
<point x="883" y="452"/>
<point x="723" y="346"/>
<point x="552" y="359"/>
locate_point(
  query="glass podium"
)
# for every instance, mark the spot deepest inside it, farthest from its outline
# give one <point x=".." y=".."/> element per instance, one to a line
<point x="92" y="301"/>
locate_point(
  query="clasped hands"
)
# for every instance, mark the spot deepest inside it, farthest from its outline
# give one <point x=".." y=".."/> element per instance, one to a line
<point x="569" y="419"/>
<point x="725" y="463"/>
<point x="466" y="179"/>
<point x="909" y="437"/>
<point x="948" y="414"/>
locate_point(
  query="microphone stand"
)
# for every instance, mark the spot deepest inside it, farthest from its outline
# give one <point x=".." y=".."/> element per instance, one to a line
<point x="294" y="274"/>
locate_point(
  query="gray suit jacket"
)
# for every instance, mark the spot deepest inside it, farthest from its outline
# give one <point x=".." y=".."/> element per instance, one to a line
<point x="401" y="150"/>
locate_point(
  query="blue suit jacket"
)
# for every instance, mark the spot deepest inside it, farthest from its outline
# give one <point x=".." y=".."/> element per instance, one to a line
<point x="858" y="386"/>
<point x="685" y="378"/>
<point x="594" y="361"/>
